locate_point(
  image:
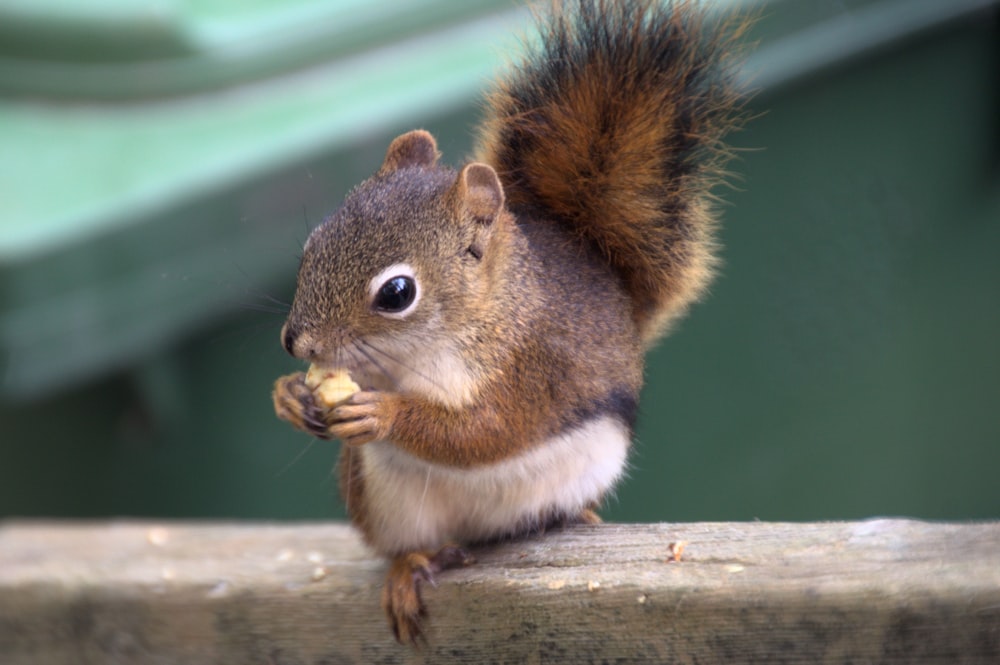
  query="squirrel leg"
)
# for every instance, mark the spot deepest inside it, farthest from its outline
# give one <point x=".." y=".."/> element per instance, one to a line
<point x="401" y="600"/>
<point x="586" y="516"/>
<point x="294" y="402"/>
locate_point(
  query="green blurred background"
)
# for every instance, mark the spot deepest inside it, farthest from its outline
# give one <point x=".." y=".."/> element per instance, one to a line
<point x="162" y="162"/>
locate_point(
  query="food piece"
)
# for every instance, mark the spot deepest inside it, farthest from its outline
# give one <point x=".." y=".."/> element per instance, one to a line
<point x="330" y="386"/>
<point x="676" y="550"/>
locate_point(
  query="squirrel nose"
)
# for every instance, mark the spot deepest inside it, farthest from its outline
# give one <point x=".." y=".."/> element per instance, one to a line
<point x="296" y="343"/>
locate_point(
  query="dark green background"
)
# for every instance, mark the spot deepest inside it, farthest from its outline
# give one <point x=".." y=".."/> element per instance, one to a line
<point x="846" y="363"/>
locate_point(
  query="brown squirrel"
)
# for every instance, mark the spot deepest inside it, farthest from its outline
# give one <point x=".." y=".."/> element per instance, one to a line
<point x="496" y="317"/>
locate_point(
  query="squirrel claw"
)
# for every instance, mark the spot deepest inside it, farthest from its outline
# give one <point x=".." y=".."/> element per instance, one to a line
<point x="366" y="416"/>
<point x="401" y="599"/>
<point x="294" y="402"/>
<point x="451" y="556"/>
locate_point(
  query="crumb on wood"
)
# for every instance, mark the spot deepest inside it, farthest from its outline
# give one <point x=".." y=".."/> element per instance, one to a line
<point x="676" y="550"/>
<point x="157" y="536"/>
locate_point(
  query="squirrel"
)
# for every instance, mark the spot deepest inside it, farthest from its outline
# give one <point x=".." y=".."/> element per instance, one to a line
<point x="496" y="317"/>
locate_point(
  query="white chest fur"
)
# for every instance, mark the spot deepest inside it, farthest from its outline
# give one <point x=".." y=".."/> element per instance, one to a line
<point x="414" y="504"/>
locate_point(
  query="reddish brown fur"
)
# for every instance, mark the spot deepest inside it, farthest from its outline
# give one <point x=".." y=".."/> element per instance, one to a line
<point x="545" y="272"/>
<point x="623" y="148"/>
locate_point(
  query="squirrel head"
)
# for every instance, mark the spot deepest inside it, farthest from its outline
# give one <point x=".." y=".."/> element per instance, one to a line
<point x="399" y="271"/>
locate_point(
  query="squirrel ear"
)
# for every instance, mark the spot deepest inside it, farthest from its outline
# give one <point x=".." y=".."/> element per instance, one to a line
<point x="416" y="148"/>
<point x="479" y="192"/>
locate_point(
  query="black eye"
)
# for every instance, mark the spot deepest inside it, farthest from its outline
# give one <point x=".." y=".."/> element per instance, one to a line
<point x="396" y="294"/>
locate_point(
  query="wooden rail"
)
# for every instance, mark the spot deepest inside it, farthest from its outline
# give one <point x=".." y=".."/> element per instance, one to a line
<point x="892" y="591"/>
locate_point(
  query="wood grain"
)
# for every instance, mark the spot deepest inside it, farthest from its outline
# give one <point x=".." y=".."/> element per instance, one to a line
<point x="872" y="591"/>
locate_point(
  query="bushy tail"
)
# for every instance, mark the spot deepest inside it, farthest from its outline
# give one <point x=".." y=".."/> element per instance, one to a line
<point x="612" y="126"/>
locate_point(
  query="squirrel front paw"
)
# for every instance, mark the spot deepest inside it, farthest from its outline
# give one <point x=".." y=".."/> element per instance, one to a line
<point x="363" y="417"/>
<point x="294" y="403"/>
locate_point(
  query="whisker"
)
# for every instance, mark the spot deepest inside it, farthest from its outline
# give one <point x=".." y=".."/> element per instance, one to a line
<point x="295" y="460"/>
<point x="407" y="367"/>
<point x="348" y="460"/>
<point x="307" y="225"/>
<point x="358" y="345"/>
<point x="258" y="292"/>
<point x="243" y="333"/>
<point x="266" y="309"/>
<point x="423" y="497"/>
<point x="354" y="355"/>
<point x="266" y="296"/>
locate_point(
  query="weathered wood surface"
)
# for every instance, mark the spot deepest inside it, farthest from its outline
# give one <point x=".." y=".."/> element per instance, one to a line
<point x="874" y="591"/>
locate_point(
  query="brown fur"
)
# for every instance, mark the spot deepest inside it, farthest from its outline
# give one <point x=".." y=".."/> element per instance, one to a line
<point x="544" y="272"/>
<point x="620" y="142"/>
<point x="401" y="598"/>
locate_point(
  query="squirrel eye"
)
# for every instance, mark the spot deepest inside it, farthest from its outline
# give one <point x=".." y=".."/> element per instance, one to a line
<point x="396" y="294"/>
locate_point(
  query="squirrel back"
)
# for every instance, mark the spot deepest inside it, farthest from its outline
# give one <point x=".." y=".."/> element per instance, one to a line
<point x="612" y="128"/>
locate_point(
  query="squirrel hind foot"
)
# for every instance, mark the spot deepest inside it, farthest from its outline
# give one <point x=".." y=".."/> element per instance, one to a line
<point x="586" y="516"/>
<point x="402" y="600"/>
